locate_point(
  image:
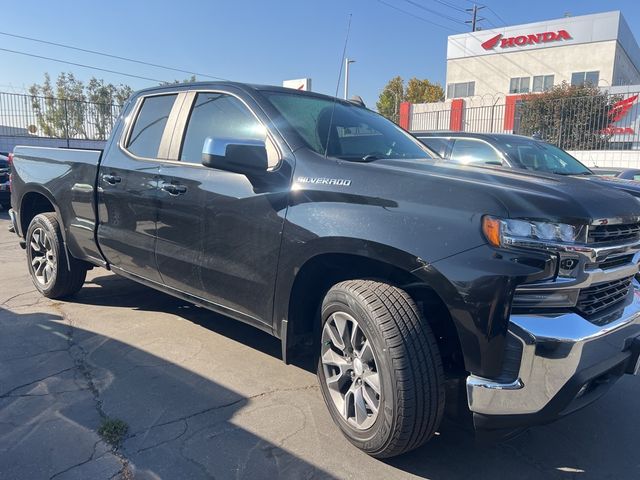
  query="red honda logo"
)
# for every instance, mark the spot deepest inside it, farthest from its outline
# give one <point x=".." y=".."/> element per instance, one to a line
<point x="492" y="42"/>
<point x="617" y="113"/>
<point x="522" y="40"/>
<point x="621" y="108"/>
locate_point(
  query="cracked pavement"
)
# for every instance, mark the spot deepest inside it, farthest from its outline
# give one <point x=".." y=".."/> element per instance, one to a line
<point x="207" y="397"/>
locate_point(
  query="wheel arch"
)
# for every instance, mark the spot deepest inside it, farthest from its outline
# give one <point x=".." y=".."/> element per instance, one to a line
<point x="38" y="200"/>
<point x="318" y="273"/>
<point x="34" y="201"/>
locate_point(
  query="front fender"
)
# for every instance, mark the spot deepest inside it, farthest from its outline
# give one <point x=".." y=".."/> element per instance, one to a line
<point x="477" y="287"/>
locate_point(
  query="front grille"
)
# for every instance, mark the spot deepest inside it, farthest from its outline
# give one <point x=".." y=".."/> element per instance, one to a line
<point x="603" y="295"/>
<point x="614" y="233"/>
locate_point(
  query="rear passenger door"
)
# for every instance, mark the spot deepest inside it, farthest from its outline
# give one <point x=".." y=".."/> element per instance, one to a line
<point x="128" y="186"/>
<point x="218" y="233"/>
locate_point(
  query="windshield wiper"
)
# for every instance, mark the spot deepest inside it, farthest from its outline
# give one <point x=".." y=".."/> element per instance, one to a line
<point x="354" y="158"/>
<point x="569" y="174"/>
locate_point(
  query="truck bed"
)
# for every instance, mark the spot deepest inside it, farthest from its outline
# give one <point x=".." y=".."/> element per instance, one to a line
<point x="69" y="177"/>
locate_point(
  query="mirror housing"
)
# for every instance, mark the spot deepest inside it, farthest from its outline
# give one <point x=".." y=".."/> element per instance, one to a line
<point x="248" y="157"/>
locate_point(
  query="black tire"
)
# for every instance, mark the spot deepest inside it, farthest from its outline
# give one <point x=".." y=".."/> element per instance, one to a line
<point x="62" y="281"/>
<point x="407" y="362"/>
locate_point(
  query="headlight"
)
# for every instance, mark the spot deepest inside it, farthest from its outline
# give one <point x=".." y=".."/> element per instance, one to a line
<point x="502" y="232"/>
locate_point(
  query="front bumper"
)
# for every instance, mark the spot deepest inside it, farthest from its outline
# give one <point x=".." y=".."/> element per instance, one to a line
<point x="566" y="362"/>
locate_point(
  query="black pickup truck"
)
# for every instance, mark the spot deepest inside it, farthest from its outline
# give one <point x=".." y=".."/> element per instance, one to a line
<point x="415" y="282"/>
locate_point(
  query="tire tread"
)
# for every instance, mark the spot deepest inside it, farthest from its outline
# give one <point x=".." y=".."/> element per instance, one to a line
<point x="417" y="367"/>
<point x="68" y="280"/>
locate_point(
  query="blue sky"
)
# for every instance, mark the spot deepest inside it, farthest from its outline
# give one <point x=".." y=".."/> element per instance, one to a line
<point x="257" y="41"/>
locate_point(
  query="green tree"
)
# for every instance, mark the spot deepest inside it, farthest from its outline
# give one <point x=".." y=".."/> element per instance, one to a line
<point x="423" y="91"/>
<point x="417" y="91"/>
<point x="571" y="117"/>
<point x="191" y="79"/>
<point x="105" y="100"/>
<point x="390" y="98"/>
<point x="71" y="109"/>
<point x="59" y="109"/>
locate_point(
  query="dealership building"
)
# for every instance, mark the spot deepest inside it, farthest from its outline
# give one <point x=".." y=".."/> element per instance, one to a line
<point x="599" y="49"/>
<point x="490" y="72"/>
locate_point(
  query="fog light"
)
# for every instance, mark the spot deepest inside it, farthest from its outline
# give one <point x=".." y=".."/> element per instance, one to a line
<point x="541" y="298"/>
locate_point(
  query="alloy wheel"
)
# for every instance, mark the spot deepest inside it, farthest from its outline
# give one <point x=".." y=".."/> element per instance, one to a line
<point x="350" y="370"/>
<point x="42" y="256"/>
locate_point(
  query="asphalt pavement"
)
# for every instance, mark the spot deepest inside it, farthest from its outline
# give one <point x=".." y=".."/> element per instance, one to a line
<point x="203" y="396"/>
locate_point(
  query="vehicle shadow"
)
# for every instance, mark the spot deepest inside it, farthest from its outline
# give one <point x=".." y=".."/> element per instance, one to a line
<point x="598" y="442"/>
<point x="181" y="424"/>
<point x="110" y="290"/>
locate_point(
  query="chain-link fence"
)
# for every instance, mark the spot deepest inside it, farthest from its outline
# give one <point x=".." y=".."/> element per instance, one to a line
<point x="45" y="117"/>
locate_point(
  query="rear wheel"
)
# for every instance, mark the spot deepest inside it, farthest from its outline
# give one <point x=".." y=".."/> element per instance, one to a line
<point x="47" y="262"/>
<point x="379" y="368"/>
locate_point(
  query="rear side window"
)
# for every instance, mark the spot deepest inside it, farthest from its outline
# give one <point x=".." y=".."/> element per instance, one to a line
<point x="474" y="151"/>
<point x="218" y="115"/>
<point x="146" y="135"/>
<point x="437" y="144"/>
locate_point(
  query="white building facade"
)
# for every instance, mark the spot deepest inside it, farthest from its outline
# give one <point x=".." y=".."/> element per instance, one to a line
<point x="599" y="49"/>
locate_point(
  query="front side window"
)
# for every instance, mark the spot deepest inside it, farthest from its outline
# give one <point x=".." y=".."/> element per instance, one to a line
<point x="148" y="128"/>
<point x="440" y="145"/>
<point x="519" y="85"/>
<point x="218" y="115"/>
<point x="344" y="130"/>
<point x="469" y="151"/>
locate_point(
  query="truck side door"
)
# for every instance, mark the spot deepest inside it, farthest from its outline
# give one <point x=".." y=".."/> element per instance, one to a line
<point x="128" y="186"/>
<point x="219" y="234"/>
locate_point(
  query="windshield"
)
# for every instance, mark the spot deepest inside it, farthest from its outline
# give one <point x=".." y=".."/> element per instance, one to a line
<point x="344" y="130"/>
<point x="543" y="157"/>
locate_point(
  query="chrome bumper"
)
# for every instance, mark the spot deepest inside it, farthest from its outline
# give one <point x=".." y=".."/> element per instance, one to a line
<point x="555" y="349"/>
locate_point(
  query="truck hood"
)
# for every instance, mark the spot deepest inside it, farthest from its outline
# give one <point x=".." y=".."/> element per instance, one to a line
<point x="526" y="194"/>
<point x="630" y="186"/>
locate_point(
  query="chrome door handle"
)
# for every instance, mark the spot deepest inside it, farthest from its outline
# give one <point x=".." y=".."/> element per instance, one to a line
<point x="173" y="189"/>
<point x="111" y="179"/>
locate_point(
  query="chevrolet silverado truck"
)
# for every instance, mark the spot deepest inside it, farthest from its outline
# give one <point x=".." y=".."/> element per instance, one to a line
<point x="415" y="283"/>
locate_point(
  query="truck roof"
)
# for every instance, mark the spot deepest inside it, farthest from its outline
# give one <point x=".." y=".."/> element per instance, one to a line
<point x="244" y="86"/>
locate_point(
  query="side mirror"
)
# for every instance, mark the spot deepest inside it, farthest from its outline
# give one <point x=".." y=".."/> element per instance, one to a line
<point x="248" y="157"/>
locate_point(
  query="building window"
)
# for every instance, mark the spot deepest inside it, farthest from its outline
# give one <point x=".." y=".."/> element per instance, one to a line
<point x="585" y="78"/>
<point x="459" y="90"/>
<point x="519" y="85"/>
<point x="542" y="83"/>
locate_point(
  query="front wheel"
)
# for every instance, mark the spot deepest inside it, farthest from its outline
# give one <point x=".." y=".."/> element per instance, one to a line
<point x="51" y="273"/>
<point x="379" y="368"/>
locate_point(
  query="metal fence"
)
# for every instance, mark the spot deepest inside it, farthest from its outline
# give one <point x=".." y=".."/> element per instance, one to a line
<point x="34" y="116"/>
<point x="602" y="122"/>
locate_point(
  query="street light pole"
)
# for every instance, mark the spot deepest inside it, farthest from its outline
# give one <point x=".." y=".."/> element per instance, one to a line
<point x="347" y="61"/>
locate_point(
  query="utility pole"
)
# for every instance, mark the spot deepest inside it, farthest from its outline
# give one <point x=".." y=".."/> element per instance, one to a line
<point x="347" y="62"/>
<point x="474" y="16"/>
